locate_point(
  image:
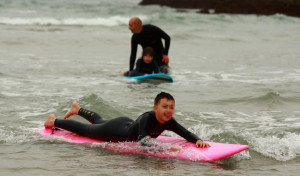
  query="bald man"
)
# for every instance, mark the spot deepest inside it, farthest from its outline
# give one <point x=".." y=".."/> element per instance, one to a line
<point x="149" y="36"/>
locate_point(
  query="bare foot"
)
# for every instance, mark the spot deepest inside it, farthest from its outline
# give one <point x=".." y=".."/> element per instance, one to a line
<point x="50" y="121"/>
<point x="123" y="73"/>
<point x="73" y="111"/>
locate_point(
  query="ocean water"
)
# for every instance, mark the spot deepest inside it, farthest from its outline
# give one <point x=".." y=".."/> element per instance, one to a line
<point x="236" y="80"/>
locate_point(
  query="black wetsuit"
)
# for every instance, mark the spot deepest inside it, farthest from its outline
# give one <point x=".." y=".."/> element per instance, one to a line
<point x="150" y="37"/>
<point x="123" y="128"/>
<point x="142" y="68"/>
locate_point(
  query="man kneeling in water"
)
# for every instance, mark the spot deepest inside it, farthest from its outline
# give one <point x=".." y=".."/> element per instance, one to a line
<point x="150" y="124"/>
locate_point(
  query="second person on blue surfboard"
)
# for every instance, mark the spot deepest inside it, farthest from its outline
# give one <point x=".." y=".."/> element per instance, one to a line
<point x="149" y="36"/>
<point x="149" y="125"/>
<point x="144" y="65"/>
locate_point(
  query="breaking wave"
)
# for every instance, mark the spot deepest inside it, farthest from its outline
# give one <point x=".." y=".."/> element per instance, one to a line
<point x="51" y="21"/>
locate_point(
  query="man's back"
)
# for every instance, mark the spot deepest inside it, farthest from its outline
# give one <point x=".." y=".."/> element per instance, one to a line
<point x="150" y="36"/>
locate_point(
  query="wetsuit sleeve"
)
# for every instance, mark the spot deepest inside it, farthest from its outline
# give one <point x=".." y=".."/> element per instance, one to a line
<point x="165" y="36"/>
<point x="137" y="70"/>
<point x="134" y="46"/>
<point x="133" y="73"/>
<point x="155" y="70"/>
<point x="181" y="131"/>
<point x="143" y="130"/>
<point x="138" y="65"/>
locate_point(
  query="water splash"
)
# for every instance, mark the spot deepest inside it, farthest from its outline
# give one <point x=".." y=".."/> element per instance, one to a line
<point x="282" y="149"/>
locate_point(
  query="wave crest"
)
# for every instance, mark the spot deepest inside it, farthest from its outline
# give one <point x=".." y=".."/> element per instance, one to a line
<point x="51" y="21"/>
<point x="281" y="149"/>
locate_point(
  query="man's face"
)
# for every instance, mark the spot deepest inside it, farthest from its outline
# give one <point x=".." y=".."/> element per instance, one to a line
<point x="133" y="27"/>
<point x="164" y="110"/>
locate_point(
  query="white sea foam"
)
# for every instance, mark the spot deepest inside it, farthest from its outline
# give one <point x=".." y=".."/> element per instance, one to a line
<point x="281" y="149"/>
<point x="10" y="135"/>
<point x="263" y="133"/>
<point x="263" y="77"/>
<point x="97" y="21"/>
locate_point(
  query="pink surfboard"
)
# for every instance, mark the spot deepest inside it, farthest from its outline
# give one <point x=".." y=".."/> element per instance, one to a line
<point x="189" y="151"/>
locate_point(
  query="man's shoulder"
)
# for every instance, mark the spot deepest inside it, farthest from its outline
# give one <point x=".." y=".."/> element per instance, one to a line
<point x="149" y="26"/>
<point x="147" y="114"/>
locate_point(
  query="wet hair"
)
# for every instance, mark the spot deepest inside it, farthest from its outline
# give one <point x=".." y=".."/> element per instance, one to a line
<point x="148" y="51"/>
<point x="161" y="96"/>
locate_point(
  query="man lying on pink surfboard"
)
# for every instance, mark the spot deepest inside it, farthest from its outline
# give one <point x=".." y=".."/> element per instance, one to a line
<point x="150" y="124"/>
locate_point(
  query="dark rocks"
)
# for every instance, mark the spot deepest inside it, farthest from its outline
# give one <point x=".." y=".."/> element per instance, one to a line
<point x="260" y="7"/>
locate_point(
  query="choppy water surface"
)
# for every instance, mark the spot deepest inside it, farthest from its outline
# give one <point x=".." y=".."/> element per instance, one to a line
<point x="236" y="81"/>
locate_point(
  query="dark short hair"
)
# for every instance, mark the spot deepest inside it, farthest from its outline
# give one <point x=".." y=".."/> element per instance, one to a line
<point x="148" y="51"/>
<point x="161" y="96"/>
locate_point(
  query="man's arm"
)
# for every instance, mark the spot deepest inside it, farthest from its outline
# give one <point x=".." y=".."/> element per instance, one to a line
<point x="167" y="39"/>
<point x="183" y="132"/>
<point x="134" y="46"/>
<point x="143" y="128"/>
<point x="164" y="36"/>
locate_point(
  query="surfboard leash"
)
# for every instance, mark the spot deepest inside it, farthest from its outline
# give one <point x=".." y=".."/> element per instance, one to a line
<point x="55" y="129"/>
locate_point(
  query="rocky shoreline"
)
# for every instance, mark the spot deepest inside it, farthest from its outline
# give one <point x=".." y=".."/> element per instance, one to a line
<point x="259" y="7"/>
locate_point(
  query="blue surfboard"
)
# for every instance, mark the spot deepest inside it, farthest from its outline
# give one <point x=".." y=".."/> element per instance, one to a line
<point x="152" y="78"/>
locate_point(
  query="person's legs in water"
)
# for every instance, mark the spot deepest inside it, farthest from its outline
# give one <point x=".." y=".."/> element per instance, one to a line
<point x="90" y="116"/>
<point x="73" y="110"/>
<point x="51" y="118"/>
<point x="50" y="121"/>
<point x="116" y="129"/>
